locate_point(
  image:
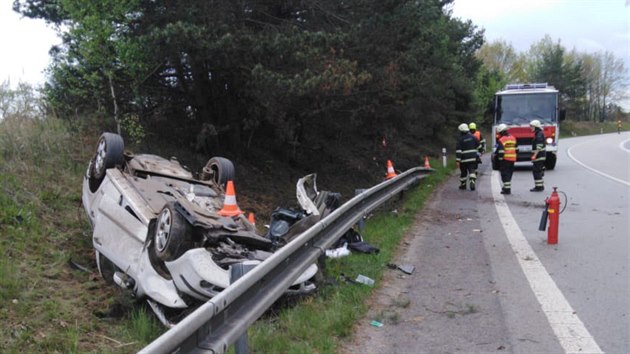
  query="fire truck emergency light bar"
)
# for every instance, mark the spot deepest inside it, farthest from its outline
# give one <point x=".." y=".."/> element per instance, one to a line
<point x="525" y="86"/>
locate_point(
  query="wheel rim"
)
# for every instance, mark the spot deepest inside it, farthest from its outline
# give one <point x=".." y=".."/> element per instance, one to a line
<point x="99" y="161"/>
<point x="163" y="230"/>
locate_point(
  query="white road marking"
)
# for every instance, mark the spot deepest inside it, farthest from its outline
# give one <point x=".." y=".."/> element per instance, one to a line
<point x="571" y="332"/>
<point x="622" y="145"/>
<point x="592" y="169"/>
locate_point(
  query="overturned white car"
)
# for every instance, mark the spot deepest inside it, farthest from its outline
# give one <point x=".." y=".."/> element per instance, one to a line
<point x="157" y="230"/>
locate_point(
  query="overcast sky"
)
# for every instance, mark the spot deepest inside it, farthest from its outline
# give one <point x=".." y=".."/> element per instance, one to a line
<point x="24" y="46"/>
<point x="587" y="25"/>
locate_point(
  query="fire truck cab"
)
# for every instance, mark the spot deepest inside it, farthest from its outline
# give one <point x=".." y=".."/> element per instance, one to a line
<point x="517" y="105"/>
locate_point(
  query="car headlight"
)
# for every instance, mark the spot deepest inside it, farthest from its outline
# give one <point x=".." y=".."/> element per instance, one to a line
<point x="549" y="140"/>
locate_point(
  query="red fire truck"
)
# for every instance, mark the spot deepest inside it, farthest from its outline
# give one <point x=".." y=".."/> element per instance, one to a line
<point x="517" y="105"/>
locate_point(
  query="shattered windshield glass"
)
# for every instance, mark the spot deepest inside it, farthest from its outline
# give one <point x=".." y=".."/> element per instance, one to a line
<point x="521" y="109"/>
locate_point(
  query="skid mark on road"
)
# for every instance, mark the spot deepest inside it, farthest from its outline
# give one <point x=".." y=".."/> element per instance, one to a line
<point x="567" y="326"/>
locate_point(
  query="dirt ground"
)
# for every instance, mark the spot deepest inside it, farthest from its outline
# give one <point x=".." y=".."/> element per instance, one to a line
<point x="449" y="303"/>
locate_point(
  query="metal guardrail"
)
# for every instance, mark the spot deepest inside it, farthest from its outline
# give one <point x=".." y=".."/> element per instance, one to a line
<point x="218" y="323"/>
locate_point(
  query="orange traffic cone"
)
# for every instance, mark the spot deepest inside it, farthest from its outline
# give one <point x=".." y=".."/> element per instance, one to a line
<point x="229" y="204"/>
<point x="251" y="219"/>
<point x="426" y="162"/>
<point x="390" y="170"/>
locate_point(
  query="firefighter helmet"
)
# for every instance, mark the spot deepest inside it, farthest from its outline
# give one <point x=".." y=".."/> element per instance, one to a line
<point x="463" y="127"/>
<point x="535" y="123"/>
<point x="501" y="128"/>
<point x="472" y="126"/>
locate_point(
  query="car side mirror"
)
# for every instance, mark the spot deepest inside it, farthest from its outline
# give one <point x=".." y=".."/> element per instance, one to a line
<point x="562" y="115"/>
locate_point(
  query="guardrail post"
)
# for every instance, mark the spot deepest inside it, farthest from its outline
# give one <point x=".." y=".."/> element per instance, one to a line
<point x="361" y="222"/>
<point x="237" y="270"/>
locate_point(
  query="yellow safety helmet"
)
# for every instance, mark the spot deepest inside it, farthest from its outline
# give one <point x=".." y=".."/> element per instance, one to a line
<point x="472" y="126"/>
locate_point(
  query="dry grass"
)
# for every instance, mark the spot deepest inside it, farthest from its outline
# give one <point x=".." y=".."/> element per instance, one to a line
<point x="571" y="128"/>
<point x="45" y="304"/>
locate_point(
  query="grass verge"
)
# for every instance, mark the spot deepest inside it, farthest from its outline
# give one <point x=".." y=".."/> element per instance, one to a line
<point x="571" y="128"/>
<point x="47" y="306"/>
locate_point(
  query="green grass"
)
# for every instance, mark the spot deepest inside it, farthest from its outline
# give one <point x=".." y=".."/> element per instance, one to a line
<point x="143" y="325"/>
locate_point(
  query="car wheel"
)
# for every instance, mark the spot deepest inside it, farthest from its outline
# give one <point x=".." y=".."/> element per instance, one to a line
<point x="106" y="268"/>
<point x="109" y="153"/>
<point x="172" y="236"/>
<point x="220" y="170"/>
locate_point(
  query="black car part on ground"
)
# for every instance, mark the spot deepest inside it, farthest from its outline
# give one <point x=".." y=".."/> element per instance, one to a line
<point x="288" y="222"/>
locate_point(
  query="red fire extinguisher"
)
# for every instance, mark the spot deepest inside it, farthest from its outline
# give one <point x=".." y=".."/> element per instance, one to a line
<point x="552" y="211"/>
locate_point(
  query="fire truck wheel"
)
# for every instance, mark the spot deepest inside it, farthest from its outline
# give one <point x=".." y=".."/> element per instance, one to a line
<point x="550" y="162"/>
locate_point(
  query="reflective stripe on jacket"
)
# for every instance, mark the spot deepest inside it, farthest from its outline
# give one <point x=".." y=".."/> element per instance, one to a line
<point x="481" y="140"/>
<point x="466" y="149"/>
<point x="507" y="148"/>
<point x="538" y="144"/>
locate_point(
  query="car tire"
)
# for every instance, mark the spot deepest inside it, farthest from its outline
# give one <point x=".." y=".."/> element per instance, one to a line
<point x="550" y="161"/>
<point x="109" y="153"/>
<point x="106" y="268"/>
<point x="173" y="234"/>
<point x="220" y="170"/>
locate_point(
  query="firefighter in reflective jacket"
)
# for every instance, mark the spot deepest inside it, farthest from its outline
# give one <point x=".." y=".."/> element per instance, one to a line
<point x="466" y="157"/>
<point x="506" y="152"/>
<point x="477" y="134"/>
<point x="482" y="142"/>
<point x="539" y="155"/>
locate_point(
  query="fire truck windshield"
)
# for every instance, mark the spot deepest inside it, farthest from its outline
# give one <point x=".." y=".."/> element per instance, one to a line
<point x="522" y="108"/>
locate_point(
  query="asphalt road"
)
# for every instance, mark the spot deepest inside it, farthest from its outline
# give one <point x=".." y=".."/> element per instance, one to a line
<point x="487" y="281"/>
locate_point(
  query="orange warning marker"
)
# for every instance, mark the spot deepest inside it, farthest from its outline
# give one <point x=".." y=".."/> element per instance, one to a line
<point x="230" y="208"/>
<point x="426" y="162"/>
<point x="390" y="170"/>
<point x="252" y="219"/>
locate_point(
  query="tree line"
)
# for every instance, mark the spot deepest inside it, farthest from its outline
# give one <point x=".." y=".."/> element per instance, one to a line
<point x="280" y="74"/>
<point x="592" y="85"/>
<point x="23" y="101"/>
<point x="288" y="75"/>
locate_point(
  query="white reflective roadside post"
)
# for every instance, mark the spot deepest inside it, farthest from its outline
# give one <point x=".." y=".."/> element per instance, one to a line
<point x="444" y="157"/>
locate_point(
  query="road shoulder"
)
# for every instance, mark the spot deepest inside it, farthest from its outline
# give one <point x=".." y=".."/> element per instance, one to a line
<point x="450" y="302"/>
